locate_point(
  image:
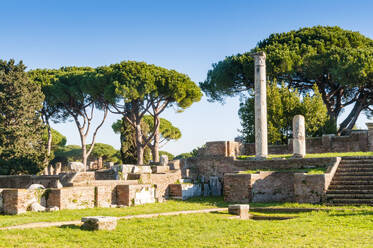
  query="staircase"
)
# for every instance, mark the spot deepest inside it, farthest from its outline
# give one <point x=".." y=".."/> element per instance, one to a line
<point x="352" y="183"/>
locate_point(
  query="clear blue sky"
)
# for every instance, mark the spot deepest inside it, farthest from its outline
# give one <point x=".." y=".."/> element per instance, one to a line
<point x="184" y="35"/>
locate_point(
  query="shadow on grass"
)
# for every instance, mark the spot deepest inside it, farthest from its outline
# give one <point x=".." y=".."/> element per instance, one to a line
<point x="70" y="227"/>
<point x="217" y="201"/>
<point x="353" y="213"/>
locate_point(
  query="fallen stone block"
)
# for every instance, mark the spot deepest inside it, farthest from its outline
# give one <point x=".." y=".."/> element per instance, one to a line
<point x="53" y="209"/>
<point x="93" y="223"/>
<point x="241" y="210"/>
<point x="36" y="207"/>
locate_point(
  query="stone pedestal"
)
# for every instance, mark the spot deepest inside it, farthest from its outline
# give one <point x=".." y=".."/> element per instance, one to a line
<point x="261" y="142"/>
<point x="241" y="210"/>
<point x="93" y="223"/>
<point x="299" y="137"/>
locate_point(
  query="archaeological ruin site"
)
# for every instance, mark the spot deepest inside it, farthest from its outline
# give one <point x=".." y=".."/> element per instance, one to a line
<point x="216" y="170"/>
<point x="186" y="124"/>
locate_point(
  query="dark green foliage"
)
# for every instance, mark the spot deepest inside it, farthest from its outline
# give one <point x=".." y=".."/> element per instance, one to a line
<point x="169" y="155"/>
<point x="69" y="153"/>
<point x="339" y="62"/>
<point x="74" y="93"/>
<point x="138" y="88"/>
<point x="194" y="153"/>
<point x="167" y="131"/>
<point x="282" y="105"/>
<point x="58" y="139"/>
<point x="105" y="151"/>
<point x="128" y="151"/>
<point x="22" y="150"/>
<point x="127" y="136"/>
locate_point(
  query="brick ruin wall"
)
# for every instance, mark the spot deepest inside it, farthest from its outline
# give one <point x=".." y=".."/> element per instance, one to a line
<point x="96" y="193"/>
<point x="263" y="186"/>
<point x="274" y="187"/>
<point x="357" y="141"/>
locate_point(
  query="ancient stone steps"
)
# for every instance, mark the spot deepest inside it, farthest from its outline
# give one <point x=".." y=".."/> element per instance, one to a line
<point x="343" y="201"/>
<point x="349" y="196"/>
<point x="355" y="169"/>
<point x="352" y="183"/>
<point x="355" y="166"/>
<point x="356" y="161"/>
<point x="353" y="178"/>
<point x="349" y="191"/>
<point x="351" y="187"/>
<point x="355" y="173"/>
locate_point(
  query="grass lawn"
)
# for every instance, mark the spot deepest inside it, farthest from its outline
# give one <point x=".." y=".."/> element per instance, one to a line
<point x="314" y="155"/>
<point x="66" y="215"/>
<point x="315" y="229"/>
<point x="168" y="206"/>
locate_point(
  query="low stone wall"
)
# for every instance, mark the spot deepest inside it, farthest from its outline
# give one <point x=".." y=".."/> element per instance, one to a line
<point x="237" y="188"/>
<point x="357" y="141"/>
<point x="278" y="186"/>
<point x="208" y="166"/>
<point x="17" y="201"/>
<point x="130" y="195"/>
<point x="72" y="197"/>
<point x="185" y="190"/>
<point x="161" y="181"/>
<point x="23" y="182"/>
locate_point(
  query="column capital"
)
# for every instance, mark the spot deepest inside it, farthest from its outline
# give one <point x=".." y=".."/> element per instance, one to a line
<point x="259" y="58"/>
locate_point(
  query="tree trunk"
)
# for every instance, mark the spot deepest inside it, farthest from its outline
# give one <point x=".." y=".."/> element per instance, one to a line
<point x="155" y="147"/>
<point x="351" y="119"/>
<point x="85" y="157"/>
<point x="347" y="125"/>
<point x="49" y="145"/>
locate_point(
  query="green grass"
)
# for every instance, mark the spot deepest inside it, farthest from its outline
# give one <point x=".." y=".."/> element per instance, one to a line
<point x="310" y="171"/>
<point x="313" y="155"/>
<point x="168" y="206"/>
<point x="67" y="215"/>
<point x="315" y="229"/>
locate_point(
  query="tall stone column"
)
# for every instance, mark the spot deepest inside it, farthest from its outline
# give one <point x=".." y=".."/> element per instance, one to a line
<point x="261" y="141"/>
<point x="299" y="137"/>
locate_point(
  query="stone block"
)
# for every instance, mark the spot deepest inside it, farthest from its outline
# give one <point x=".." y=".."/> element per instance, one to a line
<point x="241" y="210"/>
<point x="189" y="190"/>
<point x="160" y="169"/>
<point x="36" y="207"/>
<point x="129" y="195"/>
<point x="94" y="223"/>
<point x="215" y="186"/>
<point x="164" y="160"/>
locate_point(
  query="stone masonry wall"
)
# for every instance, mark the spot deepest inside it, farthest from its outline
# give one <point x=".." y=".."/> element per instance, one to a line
<point x="357" y="141"/>
<point x="129" y="195"/>
<point x="23" y="182"/>
<point x="72" y="197"/>
<point x="209" y="166"/>
<point x="237" y="188"/>
<point x="272" y="187"/>
<point x="161" y="181"/>
<point x="17" y="201"/>
<point x="278" y="186"/>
